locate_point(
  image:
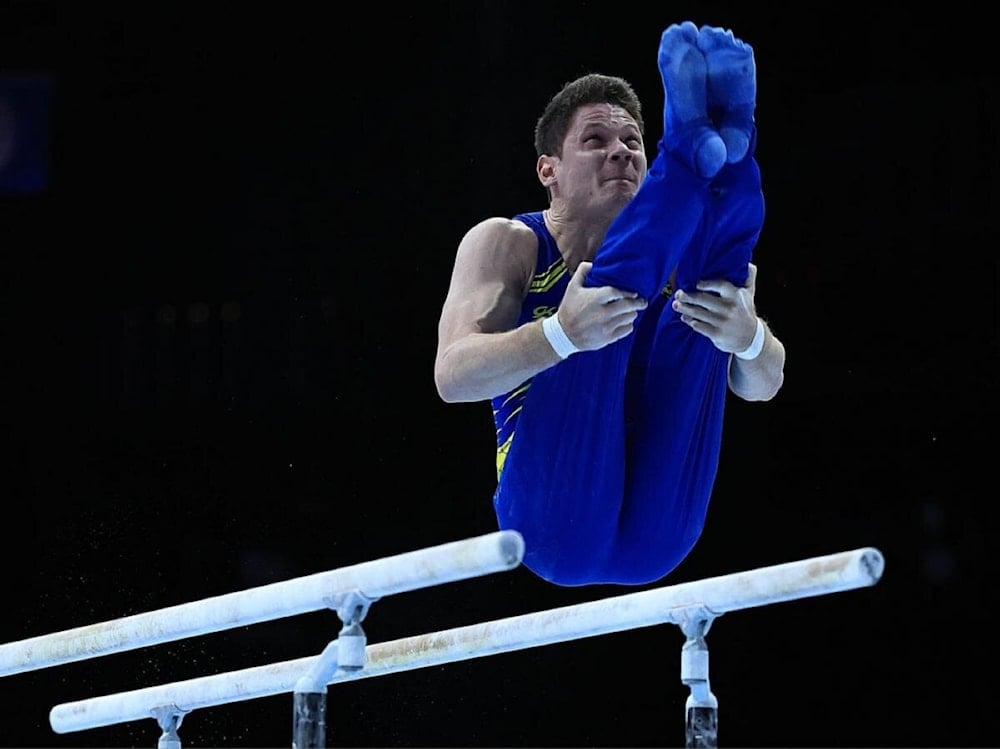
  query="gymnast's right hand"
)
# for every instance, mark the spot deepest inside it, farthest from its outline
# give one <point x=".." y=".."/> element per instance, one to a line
<point x="593" y="317"/>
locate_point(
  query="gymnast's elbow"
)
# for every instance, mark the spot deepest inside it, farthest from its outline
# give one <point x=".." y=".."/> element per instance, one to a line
<point x="764" y="391"/>
<point x="756" y="381"/>
<point x="447" y="388"/>
<point x="452" y="395"/>
<point x="451" y="386"/>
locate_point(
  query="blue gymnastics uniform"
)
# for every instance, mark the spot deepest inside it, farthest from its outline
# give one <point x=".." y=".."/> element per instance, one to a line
<point x="606" y="461"/>
<point x="548" y="285"/>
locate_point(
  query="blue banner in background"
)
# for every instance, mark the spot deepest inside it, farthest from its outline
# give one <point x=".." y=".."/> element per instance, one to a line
<point x="25" y="119"/>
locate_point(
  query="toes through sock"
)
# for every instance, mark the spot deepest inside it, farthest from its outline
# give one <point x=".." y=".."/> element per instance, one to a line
<point x="687" y="130"/>
<point x="731" y="87"/>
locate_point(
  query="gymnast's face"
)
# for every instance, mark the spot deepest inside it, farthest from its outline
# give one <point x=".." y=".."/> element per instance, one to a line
<point x="603" y="160"/>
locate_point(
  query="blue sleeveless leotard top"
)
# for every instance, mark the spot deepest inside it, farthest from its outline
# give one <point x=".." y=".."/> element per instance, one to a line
<point x="546" y="291"/>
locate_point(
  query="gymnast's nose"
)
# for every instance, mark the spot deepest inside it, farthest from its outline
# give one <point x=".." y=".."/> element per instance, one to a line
<point x="620" y="151"/>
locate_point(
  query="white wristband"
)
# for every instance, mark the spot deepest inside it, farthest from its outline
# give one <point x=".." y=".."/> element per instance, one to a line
<point x="557" y="337"/>
<point x="756" y="345"/>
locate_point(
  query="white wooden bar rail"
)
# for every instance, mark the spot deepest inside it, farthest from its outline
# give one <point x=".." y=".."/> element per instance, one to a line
<point x="713" y="596"/>
<point x="435" y="565"/>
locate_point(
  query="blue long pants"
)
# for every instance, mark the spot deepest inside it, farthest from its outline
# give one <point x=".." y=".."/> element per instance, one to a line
<point x="611" y="469"/>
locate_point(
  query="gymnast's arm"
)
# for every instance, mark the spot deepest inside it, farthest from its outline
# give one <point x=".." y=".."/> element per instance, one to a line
<point x="480" y="354"/>
<point x="761" y="378"/>
<point x="727" y="315"/>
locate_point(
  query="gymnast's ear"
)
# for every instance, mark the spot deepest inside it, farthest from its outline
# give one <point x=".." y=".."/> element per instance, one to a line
<point x="546" y="170"/>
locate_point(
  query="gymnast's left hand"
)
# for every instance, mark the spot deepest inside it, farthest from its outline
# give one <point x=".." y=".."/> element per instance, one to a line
<point x="722" y="312"/>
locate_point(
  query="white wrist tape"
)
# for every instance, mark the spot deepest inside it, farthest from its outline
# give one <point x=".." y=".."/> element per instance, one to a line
<point x="756" y="345"/>
<point x="557" y="337"/>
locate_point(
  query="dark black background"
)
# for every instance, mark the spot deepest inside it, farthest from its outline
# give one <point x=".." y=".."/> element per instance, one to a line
<point x="219" y="323"/>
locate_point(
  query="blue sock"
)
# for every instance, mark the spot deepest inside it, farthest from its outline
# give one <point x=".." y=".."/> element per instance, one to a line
<point x="732" y="88"/>
<point x="687" y="130"/>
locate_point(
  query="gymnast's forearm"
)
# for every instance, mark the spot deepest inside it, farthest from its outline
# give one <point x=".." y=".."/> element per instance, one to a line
<point x="481" y="366"/>
<point x="760" y="378"/>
